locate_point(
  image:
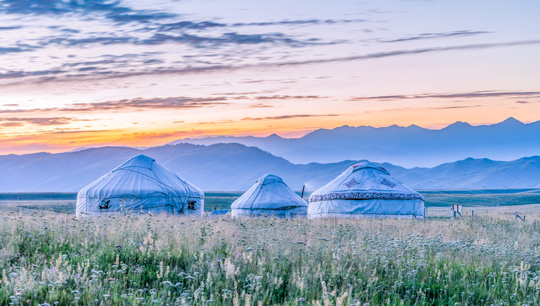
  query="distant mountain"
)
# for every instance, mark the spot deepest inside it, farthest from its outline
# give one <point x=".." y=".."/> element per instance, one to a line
<point x="234" y="167"/>
<point x="410" y="146"/>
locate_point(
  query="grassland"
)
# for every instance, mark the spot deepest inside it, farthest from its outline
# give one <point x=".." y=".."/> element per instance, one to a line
<point x="52" y="258"/>
<point x="65" y="202"/>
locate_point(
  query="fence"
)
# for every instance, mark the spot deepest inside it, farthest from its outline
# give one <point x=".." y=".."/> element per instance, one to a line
<point x="508" y="213"/>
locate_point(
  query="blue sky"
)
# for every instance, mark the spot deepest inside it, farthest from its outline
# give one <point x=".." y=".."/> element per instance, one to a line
<point x="84" y="73"/>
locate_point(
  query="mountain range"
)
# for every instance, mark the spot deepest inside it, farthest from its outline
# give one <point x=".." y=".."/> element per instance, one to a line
<point x="411" y="146"/>
<point x="235" y="167"/>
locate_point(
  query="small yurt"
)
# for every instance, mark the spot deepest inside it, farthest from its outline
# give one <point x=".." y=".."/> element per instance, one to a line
<point x="365" y="190"/>
<point x="269" y="196"/>
<point x="140" y="185"/>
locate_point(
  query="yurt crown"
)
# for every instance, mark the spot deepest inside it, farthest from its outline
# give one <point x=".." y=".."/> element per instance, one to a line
<point x="364" y="165"/>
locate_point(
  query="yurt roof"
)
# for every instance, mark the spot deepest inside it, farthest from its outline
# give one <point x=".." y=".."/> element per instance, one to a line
<point x="140" y="176"/>
<point x="364" y="181"/>
<point x="269" y="192"/>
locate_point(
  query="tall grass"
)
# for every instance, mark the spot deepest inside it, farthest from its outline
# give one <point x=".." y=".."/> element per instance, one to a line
<point x="144" y="260"/>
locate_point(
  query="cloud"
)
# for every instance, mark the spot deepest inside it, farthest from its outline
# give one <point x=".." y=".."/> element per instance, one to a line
<point x="141" y="17"/>
<point x="436" y="35"/>
<point x="53" y="7"/>
<point x="287" y="117"/>
<point x="152" y="103"/>
<point x="10" y="28"/>
<point x="111" y="10"/>
<point x="468" y="95"/>
<point x="36" y="121"/>
<point x="20" y="74"/>
<point x="260" y="105"/>
<point x="407" y="52"/>
<point x="51" y="75"/>
<point x="226" y="38"/>
<point x="190" y="25"/>
<point x="159" y="38"/>
<point x="528" y="102"/>
<point x="105" y="40"/>
<point x="5" y="50"/>
<point x="125" y="104"/>
<point x="455" y="107"/>
<point x="203" y="25"/>
<point x="298" y="22"/>
<point x="286" y="97"/>
<point x="408" y="109"/>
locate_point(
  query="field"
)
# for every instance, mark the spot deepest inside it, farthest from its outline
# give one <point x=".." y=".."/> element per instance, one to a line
<point x="479" y="199"/>
<point x="47" y="256"/>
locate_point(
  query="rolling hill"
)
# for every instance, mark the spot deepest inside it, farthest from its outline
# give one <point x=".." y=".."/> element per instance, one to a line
<point x="233" y="167"/>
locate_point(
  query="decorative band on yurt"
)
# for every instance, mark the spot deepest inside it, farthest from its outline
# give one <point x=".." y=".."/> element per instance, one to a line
<point x="367" y="195"/>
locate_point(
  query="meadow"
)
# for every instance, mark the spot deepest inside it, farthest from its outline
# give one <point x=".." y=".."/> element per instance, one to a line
<point x="50" y="258"/>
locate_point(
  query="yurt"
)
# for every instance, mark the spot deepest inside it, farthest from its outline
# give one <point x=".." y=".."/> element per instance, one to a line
<point x="365" y="190"/>
<point x="269" y="196"/>
<point x="140" y="185"/>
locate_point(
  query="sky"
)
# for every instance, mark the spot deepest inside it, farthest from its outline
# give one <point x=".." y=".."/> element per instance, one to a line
<point x="84" y="73"/>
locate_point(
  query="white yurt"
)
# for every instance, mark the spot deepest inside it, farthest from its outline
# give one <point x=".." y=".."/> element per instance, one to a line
<point x="365" y="190"/>
<point x="140" y="185"/>
<point x="269" y="196"/>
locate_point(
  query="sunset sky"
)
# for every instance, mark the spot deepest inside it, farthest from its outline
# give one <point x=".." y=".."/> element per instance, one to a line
<point x="77" y="73"/>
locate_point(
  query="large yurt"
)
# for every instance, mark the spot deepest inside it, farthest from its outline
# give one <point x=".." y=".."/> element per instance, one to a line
<point x="365" y="190"/>
<point x="269" y="196"/>
<point x="140" y="185"/>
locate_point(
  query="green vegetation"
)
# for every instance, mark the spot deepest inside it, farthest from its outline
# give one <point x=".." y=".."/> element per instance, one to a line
<point x="441" y="199"/>
<point x="65" y="202"/>
<point x="143" y="260"/>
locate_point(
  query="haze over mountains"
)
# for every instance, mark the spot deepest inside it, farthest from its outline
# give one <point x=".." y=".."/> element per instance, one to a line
<point x="234" y="167"/>
<point x="411" y="146"/>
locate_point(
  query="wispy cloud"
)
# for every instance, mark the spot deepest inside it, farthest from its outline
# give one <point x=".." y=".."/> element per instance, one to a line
<point x="435" y="108"/>
<point x="10" y="28"/>
<point x="467" y="95"/>
<point x="227" y="38"/>
<point x="299" y="22"/>
<point x="528" y="102"/>
<point x="126" y="105"/>
<point x="288" y="117"/>
<point x="51" y="75"/>
<point x="153" y="103"/>
<point x="45" y="121"/>
<point x="111" y="10"/>
<point x="260" y="105"/>
<point x="408" y="52"/>
<point x="436" y="35"/>
<point x="203" y="25"/>
<point x="287" y="97"/>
